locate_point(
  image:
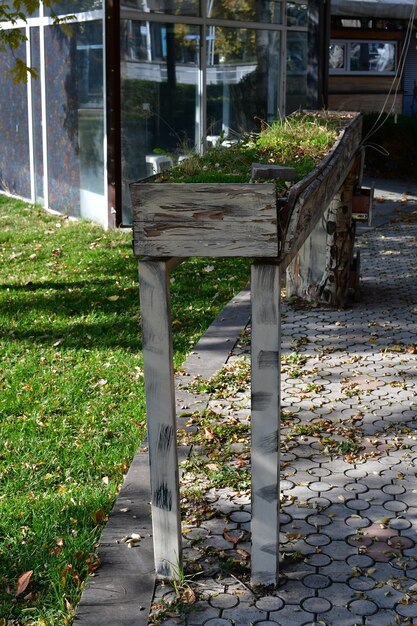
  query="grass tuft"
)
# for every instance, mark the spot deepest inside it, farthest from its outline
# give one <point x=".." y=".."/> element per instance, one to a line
<point x="299" y="141"/>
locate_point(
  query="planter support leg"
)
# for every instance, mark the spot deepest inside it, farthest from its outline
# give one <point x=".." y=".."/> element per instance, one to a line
<point x="333" y="286"/>
<point x="161" y="416"/>
<point x="266" y="339"/>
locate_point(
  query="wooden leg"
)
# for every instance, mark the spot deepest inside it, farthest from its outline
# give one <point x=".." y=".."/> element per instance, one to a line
<point x="160" y="407"/>
<point x="266" y="339"/>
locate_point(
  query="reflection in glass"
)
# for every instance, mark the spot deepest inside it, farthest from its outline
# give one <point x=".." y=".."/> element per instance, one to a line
<point x="242" y="80"/>
<point x="75" y="119"/>
<point x="68" y="7"/>
<point x="263" y="11"/>
<point x="296" y="96"/>
<point x="14" y="150"/>
<point x="336" y="56"/>
<point x="9" y="7"/>
<point x="170" y="7"/>
<point x="160" y="98"/>
<point x="378" y="56"/>
<point x="37" y="117"/>
<point x="296" y="14"/>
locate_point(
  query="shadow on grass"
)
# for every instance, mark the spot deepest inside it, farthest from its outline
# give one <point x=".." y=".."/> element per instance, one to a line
<point x="101" y="314"/>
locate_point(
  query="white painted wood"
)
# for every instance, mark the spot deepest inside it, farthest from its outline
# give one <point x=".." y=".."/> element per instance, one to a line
<point x="305" y="271"/>
<point x="160" y="407"/>
<point x="30" y="117"/>
<point x="266" y="340"/>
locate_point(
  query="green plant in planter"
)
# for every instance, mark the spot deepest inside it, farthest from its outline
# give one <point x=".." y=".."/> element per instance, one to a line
<point x="299" y="141"/>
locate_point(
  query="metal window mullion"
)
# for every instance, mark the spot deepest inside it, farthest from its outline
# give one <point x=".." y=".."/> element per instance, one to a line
<point x="30" y="119"/>
<point x="197" y="21"/>
<point x="282" y="95"/>
<point x="202" y="76"/>
<point x="42" y="77"/>
<point x="104" y="94"/>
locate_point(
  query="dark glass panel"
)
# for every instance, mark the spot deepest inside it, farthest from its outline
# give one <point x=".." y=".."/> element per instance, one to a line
<point x="169" y="7"/>
<point x="14" y="148"/>
<point x="242" y="80"/>
<point x="296" y="95"/>
<point x="296" y="14"/>
<point x="37" y="118"/>
<point x="74" y="88"/>
<point x="160" y="97"/>
<point x="69" y="7"/>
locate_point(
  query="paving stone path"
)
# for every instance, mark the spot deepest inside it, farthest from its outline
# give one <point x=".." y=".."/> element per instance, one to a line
<point x="348" y="467"/>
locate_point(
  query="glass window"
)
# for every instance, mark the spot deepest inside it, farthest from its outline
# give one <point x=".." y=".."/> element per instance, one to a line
<point x="296" y="95"/>
<point x="372" y="57"/>
<point x="14" y="150"/>
<point x="296" y="14"/>
<point x="363" y="57"/>
<point x="170" y="7"/>
<point x="74" y="95"/>
<point x="266" y="11"/>
<point x="160" y="98"/>
<point x="337" y="56"/>
<point x="9" y="6"/>
<point x="242" y="80"/>
<point x="68" y="7"/>
<point x="37" y="118"/>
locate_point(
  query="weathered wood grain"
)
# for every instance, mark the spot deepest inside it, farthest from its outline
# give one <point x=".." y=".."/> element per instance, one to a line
<point x="340" y="229"/>
<point x="205" y="219"/>
<point x="268" y="171"/>
<point x="309" y="198"/>
<point x="160" y="407"/>
<point x="265" y="364"/>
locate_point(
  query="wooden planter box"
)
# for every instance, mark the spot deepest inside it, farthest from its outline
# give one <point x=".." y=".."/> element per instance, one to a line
<point x="232" y="220"/>
<point x="173" y="221"/>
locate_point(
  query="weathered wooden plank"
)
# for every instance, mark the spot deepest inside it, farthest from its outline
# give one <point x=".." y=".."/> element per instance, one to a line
<point x="160" y="407"/>
<point x="267" y="171"/>
<point x="202" y="201"/>
<point x="265" y="363"/>
<point x="239" y="239"/>
<point x="197" y="219"/>
<point x="308" y="200"/>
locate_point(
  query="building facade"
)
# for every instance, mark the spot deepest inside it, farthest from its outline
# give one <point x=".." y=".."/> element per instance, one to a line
<point x="133" y="87"/>
<point x="373" y="56"/>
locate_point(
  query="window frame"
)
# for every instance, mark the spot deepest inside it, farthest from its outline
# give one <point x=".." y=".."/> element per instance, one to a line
<point x="346" y="69"/>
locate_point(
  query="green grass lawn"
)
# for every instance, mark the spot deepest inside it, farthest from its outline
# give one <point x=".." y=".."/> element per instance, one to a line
<point x="71" y="394"/>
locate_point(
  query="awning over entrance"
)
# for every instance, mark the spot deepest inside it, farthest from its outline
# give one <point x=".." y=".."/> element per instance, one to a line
<point x="373" y="8"/>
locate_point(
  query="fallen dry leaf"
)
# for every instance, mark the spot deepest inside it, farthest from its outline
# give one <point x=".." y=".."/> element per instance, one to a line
<point x="188" y="596"/>
<point x="31" y="596"/>
<point x="243" y="553"/>
<point x="229" y="537"/>
<point x="99" y="516"/>
<point x="23" y="581"/>
<point x="209" y="435"/>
